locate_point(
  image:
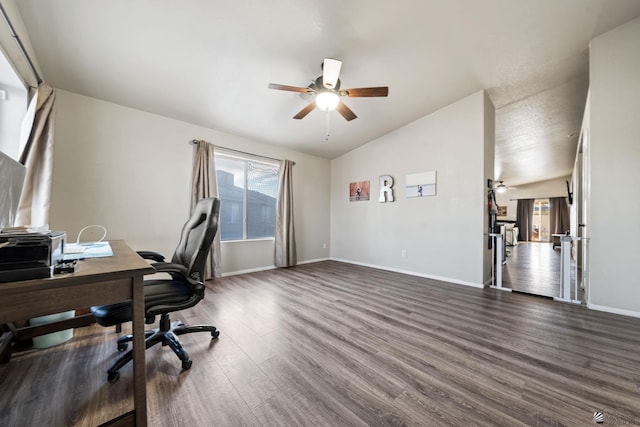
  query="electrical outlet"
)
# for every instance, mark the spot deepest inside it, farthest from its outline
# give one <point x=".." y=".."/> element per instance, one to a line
<point x="324" y="246"/>
<point x="3" y="94"/>
<point x="403" y="253"/>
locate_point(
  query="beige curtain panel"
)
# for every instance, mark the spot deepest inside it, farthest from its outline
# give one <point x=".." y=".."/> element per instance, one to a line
<point x="37" y="156"/>
<point x="285" y="247"/>
<point x="204" y="185"/>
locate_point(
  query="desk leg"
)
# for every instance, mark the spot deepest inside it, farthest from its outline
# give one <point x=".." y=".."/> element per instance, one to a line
<point x="139" y="364"/>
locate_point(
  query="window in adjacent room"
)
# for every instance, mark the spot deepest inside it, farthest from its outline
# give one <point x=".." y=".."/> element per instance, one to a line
<point x="541" y="221"/>
<point x="248" y="189"/>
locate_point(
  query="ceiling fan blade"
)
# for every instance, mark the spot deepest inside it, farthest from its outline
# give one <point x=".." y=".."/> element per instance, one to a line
<point x="367" y="91"/>
<point x="330" y="72"/>
<point x="306" y="110"/>
<point x="290" y="88"/>
<point x="346" y="112"/>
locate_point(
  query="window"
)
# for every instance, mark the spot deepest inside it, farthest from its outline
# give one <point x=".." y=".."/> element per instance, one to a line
<point x="13" y="108"/>
<point x="248" y="189"/>
<point x="541" y="221"/>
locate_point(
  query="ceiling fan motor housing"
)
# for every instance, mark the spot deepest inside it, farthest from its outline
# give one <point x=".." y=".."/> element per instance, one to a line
<point x="318" y="85"/>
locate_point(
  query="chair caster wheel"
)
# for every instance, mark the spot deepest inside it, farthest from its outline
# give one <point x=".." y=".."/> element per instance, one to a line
<point x="215" y="334"/>
<point x="186" y="364"/>
<point x="122" y="346"/>
<point x="112" y="377"/>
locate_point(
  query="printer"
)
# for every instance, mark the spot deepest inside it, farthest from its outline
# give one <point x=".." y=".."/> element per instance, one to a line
<point x="25" y="255"/>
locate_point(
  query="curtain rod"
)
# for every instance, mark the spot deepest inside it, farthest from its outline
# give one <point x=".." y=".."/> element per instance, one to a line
<point x="195" y="141"/>
<point x="20" y="45"/>
<point x="534" y="198"/>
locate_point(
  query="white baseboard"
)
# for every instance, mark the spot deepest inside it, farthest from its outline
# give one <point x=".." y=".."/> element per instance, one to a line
<point x="379" y="267"/>
<point x="249" y="270"/>
<point x="412" y="273"/>
<point x="614" y="310"/>
<point x="568" y="301"/>
<point x="269" y="267"/>
<point x="596" y="307"/>
<point x="310" y="261"/>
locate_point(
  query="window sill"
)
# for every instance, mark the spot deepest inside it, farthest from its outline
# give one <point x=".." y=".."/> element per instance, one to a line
<point x="248" y="240"/>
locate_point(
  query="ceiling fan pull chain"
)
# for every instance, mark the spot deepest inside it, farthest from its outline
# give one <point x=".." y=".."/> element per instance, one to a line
<point x="328" y="121"/>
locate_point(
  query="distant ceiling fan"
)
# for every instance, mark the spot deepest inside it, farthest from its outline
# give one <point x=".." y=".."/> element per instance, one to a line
<point x="326" y="91"/>
<point x="501" y="188"/>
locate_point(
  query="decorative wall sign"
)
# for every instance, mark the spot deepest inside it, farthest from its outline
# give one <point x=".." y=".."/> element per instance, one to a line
<point x="502" y="211"/>
<point x="359" y="191"/>
<point x="386" y="189"/>
<point x="421" y="184"/>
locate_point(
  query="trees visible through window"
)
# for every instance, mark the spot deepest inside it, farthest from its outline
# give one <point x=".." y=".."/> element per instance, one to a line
<point x="248" y="190"/>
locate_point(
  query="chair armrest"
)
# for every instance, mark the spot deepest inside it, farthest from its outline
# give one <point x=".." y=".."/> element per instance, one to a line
<point x="177" y="272"/>
<point x="169" y="267"/>
<point x="157" y="257"/>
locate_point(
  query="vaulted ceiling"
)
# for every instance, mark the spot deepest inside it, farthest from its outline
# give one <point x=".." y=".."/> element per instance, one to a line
<point x="209" y="63"/>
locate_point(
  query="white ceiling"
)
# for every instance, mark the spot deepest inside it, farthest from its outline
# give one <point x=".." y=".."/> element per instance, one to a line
<point x="209" y="63"/>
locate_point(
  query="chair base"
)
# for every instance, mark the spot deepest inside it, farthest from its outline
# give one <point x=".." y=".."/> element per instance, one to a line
<point x="166" y="334"/>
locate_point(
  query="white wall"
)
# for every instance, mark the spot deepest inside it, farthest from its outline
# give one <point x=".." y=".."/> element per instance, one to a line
<point x="443" y="235"/>
<point x="614" y="130"/>
<point x="131" y="172"/>
<point x="538" y="190"/>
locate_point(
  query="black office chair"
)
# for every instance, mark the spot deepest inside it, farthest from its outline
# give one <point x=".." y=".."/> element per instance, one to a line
<point x="162" y="296"/>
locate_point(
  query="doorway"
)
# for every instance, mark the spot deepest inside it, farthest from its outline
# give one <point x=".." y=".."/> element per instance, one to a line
<point x="534" y="266"/>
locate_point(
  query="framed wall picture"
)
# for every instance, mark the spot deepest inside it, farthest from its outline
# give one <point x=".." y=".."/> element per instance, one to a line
<point x="421" y="184"/>
<point x="502" y="211"/>
<point x="359" y="191"/>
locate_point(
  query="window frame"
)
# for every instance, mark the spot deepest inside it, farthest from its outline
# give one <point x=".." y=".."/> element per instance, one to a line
<point x="14" y="108"/>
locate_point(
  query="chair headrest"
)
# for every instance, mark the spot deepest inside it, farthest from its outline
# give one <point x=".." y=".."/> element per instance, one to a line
<point x="197" y="237"/>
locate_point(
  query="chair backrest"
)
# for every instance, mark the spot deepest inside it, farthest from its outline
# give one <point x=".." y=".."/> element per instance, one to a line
<point x="197" y="237"/>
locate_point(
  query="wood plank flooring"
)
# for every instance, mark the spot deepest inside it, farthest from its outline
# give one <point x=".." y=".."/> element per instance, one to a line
<point x="333" y="344"/>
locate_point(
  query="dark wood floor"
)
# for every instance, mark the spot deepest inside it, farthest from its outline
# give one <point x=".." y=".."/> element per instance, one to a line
<point x="333" y="344"/>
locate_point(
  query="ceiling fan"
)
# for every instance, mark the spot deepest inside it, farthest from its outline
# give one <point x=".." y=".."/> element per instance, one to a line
<point x="501" y="188"/>
<point x="326" y="91"/>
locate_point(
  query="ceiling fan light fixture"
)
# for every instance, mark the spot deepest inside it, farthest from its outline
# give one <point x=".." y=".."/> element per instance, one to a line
<point x="327" y="101"/>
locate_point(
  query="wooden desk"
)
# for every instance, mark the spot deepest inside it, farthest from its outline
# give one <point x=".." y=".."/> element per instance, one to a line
<point x="96" y="281"/>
